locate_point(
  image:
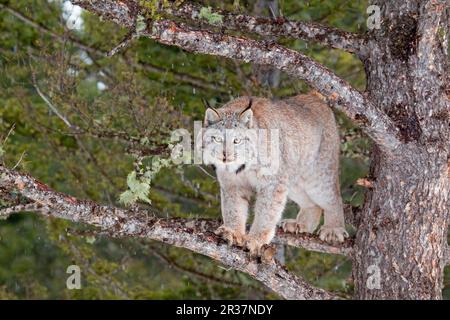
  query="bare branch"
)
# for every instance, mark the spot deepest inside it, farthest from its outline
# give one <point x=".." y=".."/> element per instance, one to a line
<point x="194" y="235"/>
<point x="32" y="207"/>
<point x="51" y="106"/>
<point x="336" y="90"/>
<point x="273" y="27"/>
<point x="124" y="43"/>
<point x="313" y="243"/>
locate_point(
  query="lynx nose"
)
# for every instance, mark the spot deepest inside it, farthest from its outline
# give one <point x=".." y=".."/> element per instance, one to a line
<point x="227" y="157"/>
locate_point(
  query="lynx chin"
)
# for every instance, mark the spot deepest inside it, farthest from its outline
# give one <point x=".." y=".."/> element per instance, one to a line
<point x="307" y="171"/>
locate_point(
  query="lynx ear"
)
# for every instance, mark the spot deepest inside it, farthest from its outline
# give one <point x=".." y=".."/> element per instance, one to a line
<point x="211" y="116"/>
<point x="246" y="116"/>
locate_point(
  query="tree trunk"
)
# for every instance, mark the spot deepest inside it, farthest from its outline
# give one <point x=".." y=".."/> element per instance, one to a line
<point x="402" y="233"/>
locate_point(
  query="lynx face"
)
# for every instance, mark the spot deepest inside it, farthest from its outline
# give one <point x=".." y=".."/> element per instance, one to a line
<point x="232" y="150"/>
<point x="229" y="143"/>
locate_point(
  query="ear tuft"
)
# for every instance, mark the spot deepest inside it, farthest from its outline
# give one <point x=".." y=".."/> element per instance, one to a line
<point x="246" y="116"/>
<point x="211" y="116"/>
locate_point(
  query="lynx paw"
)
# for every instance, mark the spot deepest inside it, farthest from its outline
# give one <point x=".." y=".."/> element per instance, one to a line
<point x="254" y="246"/>
<point x="261" y="250"/>
<point x="293" y="226"/>
<point x="231" y="236"/>
<point x="330" y="234"/>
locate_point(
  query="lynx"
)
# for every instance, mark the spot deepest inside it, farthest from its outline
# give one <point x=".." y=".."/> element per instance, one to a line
<point x="306" y="172"/>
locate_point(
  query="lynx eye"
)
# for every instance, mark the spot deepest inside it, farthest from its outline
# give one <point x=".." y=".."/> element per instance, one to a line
<point x="217" y="139"/>
<point x="237" y="141"/>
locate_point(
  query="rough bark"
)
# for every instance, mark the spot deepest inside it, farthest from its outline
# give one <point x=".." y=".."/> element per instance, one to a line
<point x="195" y="235"/>
<point x="274" y="27"/>
<point x="403" y="229"/>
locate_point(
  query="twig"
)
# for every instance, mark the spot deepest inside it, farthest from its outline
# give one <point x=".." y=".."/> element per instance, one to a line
<point x="20" y="160"/>
<point x="124" y="43"/>
<point x="9" y="133"/>
<point x="48" y="102"/>
<point x="31" y="207"/>
<point x="206" y="172"/>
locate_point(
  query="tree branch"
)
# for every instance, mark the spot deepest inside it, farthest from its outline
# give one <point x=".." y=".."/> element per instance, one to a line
<point x="272" y="27"/>
<point x="194" y="235"/>
<point x="313" y="243"/>
<point x="337" y="91"/>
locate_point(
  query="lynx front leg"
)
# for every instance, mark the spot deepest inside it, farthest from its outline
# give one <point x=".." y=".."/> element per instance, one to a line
<point x="269" y="206"/>
<point x="234" y="213"/>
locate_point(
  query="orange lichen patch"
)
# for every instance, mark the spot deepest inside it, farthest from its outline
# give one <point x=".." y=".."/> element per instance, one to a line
<point x="70" y="199"/>
<point x="363" y="182"/>
<point x="173" y="28"/>
<point x="318" y="94"/>
<point x="20" y="184"/>
<point x="42" y="186"/>
<point x="334" y="96"/>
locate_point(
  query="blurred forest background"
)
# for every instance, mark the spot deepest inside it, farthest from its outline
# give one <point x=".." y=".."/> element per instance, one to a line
<point x="83" y="122"/>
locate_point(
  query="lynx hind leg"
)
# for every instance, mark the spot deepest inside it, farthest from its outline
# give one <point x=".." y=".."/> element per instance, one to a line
<point x="308" y="216"/>
<point x="333" y="228"/>
<point x="307" y="221"/>
<point x="332" y="234"/>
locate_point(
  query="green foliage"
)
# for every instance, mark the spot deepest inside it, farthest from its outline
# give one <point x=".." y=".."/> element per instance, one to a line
<point x="140" y="24"/>
<point x="3" y="142"/>
<point x="138" y="190"/>
<point x="139" y="187"/>
<point x="212" y="17"/>
<point x="151" y="7"/>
